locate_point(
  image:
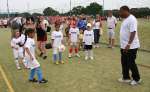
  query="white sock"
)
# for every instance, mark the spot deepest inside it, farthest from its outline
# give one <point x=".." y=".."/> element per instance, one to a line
<point x="86" y="53"/>
<point x="91" y="53"/>
<point x="17" y="63"/>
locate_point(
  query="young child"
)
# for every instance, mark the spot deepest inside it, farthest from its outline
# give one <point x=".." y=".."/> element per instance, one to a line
<point x="57" y="41"/>
<point x="17" y="50"/>
<point x="74" y="38"/>
<point x="88" y="40"/>
<point x="30" y="57"/>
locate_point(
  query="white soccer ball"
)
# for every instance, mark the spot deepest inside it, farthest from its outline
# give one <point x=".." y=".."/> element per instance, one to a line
<point x="62" y="48"/>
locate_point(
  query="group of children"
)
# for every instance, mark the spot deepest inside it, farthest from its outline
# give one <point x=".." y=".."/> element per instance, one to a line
<point x="23" y="46"/>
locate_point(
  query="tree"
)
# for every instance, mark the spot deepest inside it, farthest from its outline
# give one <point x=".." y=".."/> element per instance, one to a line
<point x="93" y="9"/>
<point x="50" y="12"/>
<point x="36" y="14"/>
<point x="78" y="10"/>
<point x="25" y="14"/>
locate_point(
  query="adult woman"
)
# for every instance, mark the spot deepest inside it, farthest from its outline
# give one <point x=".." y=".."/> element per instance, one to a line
<point x="97" y="25"/>
<point x="41" y="37"/>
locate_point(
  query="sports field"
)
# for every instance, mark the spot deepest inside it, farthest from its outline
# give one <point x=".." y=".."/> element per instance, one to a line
<point x="99" y="75"/>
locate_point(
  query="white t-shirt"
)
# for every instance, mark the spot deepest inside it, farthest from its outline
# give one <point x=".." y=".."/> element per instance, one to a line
<point x="88" y="37"/>
<point x="129" y="25"/>
<point x="22" y="38"/>
<point x="96" y="25"/>
<point x="14" y="43"/>
<point x="74" y="33"/>
<point x="111" y="22"/>
<point x="57" y="36"/>
<point x="30" y="44"/>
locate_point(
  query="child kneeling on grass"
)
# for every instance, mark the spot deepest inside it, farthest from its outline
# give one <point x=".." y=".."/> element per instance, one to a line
<point x="88" y="40"/>
<point x="57" y="42"/>
<point x="30" y="57"/>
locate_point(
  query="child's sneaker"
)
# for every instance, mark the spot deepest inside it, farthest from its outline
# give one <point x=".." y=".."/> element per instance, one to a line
<point x="43" y="81"/>
<point x="133" y="82"/>
<point x="70" y="56"/>
<point x="77" y="55"/>
<point x="34" y="80"/>
<point x="41" y="54"/>
<point x="57" y="63"/>
<point x="124" y="80"/>
<point x="91" y="58"/>
<point x="62" y="62"/>
<point x="86" y="58"/>
<point x="44" y="57"/>
<point x="18" y="67"/>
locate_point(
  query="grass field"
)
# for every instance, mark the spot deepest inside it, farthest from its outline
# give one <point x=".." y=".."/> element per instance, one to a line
<point x="99" y="75"/>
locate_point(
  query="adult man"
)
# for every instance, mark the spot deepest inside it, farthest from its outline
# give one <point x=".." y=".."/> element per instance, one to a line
<point x="111" y="24"/>
<point x="129" y="45"/>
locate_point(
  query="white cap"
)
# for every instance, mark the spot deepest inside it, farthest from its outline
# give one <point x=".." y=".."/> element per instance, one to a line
<point x="89" y="25"/>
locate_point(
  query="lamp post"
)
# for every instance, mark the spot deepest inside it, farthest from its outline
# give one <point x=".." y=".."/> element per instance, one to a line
<point x="8" y="9"/>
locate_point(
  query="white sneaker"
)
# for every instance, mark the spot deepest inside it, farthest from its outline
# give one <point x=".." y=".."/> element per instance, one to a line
<point x="124" y="81"/>
<point x="77" y="55"/>
<point x="18" y="67"/>
<point x="86" y="58"/>
<point x="133" y="82"/>
<point x="70" y="56"/>
<point x="98" y="46"/>
<point x="91" y="58"/>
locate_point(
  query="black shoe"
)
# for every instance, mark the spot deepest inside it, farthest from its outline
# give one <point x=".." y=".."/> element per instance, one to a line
<point x="43" y="81"/>
<point x="34" y="80"/>
<point x="44" y="57"/>
<point x="41" y="54"/>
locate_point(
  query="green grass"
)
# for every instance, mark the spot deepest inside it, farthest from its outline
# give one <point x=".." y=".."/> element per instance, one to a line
<point x="99" y="75"/>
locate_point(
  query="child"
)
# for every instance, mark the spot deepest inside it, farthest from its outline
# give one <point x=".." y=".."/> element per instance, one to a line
<point x="30" y="57"/>
<point x="17" y="50"/>
<point x="57" y="40"/>
<point x="88" y="40"/>
<point x="74" y="38"/>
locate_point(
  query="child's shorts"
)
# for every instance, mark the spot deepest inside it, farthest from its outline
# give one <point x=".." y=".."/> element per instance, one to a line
<point x="111" y="33"/>
<point x="74" y="44"/>
<point x="88" y="47"/>
<point x="18" y="54"/>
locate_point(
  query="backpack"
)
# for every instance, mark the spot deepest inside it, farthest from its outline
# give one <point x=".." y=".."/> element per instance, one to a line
<point x="15" y="24"/>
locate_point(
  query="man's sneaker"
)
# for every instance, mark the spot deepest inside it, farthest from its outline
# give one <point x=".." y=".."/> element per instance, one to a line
<point x="91" y="58"/>
<point x="70" y="56"/>
<point x="77" y="55"/>
<point x="124" y="80"/>
<point x="34" y="80"/>
<point x="112" y="47"/>
<point x="86" y="58"/>
<point x="133" y="82"/>
<point x="109" y="46"/>
<point x="43" y="81"/>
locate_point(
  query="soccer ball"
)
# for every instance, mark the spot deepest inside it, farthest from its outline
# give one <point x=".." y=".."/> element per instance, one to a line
<point x="62" y="48"/>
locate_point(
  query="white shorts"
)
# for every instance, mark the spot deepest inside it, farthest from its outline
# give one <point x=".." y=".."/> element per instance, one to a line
<point x="18" y="54"/>
<point x="74" y="44"/>
<point x="111" y="33"/>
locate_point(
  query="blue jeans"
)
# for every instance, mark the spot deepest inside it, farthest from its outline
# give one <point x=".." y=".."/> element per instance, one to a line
<point x="96" y="35"/>
<point x="39" y="73"/>
<point x="59" y="55"/>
